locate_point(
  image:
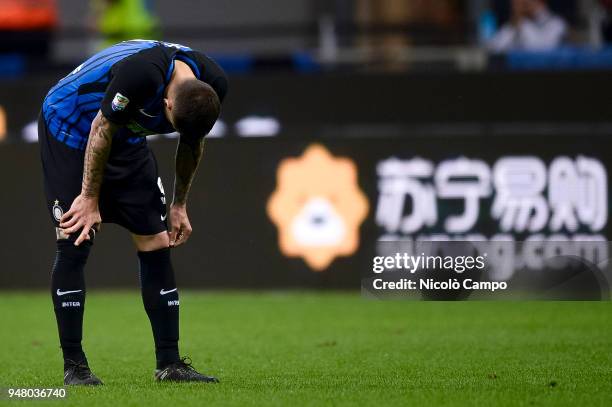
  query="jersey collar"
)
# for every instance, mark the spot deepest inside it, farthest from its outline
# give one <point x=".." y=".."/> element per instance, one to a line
<point x="183" y="58"/>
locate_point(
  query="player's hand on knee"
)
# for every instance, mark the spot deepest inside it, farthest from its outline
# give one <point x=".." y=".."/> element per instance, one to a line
<point x="180" y="227"/>
<point x="83" y="215"/>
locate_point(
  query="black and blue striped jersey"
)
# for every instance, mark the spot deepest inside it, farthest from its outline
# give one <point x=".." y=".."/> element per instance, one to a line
<point x="127" y="83"/>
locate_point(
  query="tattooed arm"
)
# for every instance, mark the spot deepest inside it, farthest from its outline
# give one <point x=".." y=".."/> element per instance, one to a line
<point x="188" y="156"/>
<point x="96" y="155"/>
<point x="84" y="212"/>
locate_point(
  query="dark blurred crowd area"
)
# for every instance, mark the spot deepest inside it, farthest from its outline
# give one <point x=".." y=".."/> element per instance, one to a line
<point x="378" y="29"/>
<point x="42" y="40"/>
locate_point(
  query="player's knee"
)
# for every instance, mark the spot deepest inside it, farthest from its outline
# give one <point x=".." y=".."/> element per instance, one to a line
<point x="68" y="252"/>
<point x="61" y="236"/>
<point x="151" y="243"/>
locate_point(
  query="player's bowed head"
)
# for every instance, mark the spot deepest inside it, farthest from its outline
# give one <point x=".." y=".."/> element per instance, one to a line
<point x="192" y="107"/>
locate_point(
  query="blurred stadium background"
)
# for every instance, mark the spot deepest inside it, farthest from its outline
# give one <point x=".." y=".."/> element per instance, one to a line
<point x="387" y="120"/>
<point x="418" y="95"/>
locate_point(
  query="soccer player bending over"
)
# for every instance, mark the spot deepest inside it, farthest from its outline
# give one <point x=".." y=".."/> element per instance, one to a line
<point x="97" y="168"/>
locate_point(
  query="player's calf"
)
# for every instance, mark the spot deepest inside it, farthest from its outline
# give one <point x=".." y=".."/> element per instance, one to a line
<point x="161" y="302"/>
<point x="68" y="294"/>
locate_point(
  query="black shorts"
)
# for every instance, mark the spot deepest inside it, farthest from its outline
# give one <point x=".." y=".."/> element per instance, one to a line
<point x="132" y="194"/>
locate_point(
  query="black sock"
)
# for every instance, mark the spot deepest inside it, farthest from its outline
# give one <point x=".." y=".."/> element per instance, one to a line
<point x="161" y="301"/>
<point x="68" y="294"/>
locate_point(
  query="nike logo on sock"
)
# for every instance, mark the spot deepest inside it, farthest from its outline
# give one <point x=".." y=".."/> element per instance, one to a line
<point x="163" y="292"/>
<point x="60" y="293"/>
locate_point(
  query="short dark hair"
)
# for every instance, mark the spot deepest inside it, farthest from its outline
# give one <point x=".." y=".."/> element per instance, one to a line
<point x="195" y="109"/>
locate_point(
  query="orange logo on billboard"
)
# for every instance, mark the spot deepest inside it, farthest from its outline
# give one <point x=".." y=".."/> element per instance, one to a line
<point x="317" y="207"/>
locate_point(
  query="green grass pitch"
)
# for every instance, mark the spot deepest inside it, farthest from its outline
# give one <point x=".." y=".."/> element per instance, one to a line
<point x="293" y="349"/>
